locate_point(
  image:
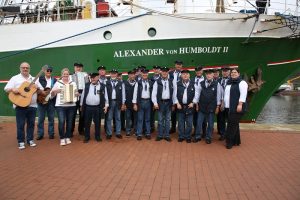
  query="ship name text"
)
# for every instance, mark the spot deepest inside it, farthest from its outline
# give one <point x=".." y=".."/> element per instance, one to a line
<point x="160" y="51"/>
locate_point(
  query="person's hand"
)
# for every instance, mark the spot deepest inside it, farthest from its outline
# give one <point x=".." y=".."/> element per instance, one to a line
<point x="197" y="107"/>
<point x="191" y="105"/>
<point x="222" y="107"/>
<point x="173" y="107"/>
<point x="135" y="107"/>
<point x="156" y="107"/>
<point x="123" y="107"/>
<point x="105" y="109"/>
<point x="217" y="110"/>
<point x="15" y="90"/>
<point x="179" y="107"/>
<point x="239" y="108"/>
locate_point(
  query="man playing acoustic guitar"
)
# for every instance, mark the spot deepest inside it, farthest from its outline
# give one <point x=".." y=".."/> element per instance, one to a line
<point x="24" y="114"/>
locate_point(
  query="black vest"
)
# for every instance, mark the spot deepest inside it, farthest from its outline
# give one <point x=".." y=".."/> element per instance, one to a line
<point x="101" y="94"/>
<point x="235" y="96"/>
<point x="118" y="89"/>
<point x="129" y="89"/>
<point x="208" y="97"/>
<point x="160" y="90"/>
<point x="140" y="89"/>
<point x="43" y="81"/>
<point x="190" y="92"/>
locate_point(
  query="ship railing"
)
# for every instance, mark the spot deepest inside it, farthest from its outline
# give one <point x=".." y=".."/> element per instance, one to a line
<point x="46" y="11"/>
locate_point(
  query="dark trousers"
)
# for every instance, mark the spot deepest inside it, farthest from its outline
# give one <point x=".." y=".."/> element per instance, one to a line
<point x="123" y="120"/>
<point x="91" y="113"/>
<point x="65" y="117"/>
<point x="152" y="119"/>
<point x="173" y="120"/>
<point x="233" y="129"/>
<point x="131" y="119"/>
<point x="204" y="124"/>
<point x="144" y="116"/>
<point x="221" y="122"/>
<point x="185" y="122"/>
<point x="164" y="116"/>
<point x="25" y="115"/>
<point x="43" y="110"/>
<point x="81" y="119"/>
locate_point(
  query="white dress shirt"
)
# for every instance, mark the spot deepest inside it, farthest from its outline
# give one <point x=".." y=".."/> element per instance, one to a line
<point x="165" y="93"/>
<point x="184" y="98"/>
<point x="145" y="92"/>
<point x="93" y="97"/>
<point x="243" y="86"/>
<point x="16" y="81"/>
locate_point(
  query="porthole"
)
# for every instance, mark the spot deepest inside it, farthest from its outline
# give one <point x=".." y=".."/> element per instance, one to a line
<point x="152" y="32"/>
<point x="107" y="35"/>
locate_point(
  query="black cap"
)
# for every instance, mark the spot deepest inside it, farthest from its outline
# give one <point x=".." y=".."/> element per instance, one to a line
<point x="164" y="69"/>
<point x="145" y="71"/>
<point x="113" y="71"/>
<point x="198" y="68"/>
<point x="78" y="64"/>
<point x="131" y="72"/>
<point x="156" y="67"/>
<point x="179" y="62"/>
<point x="225" y="68"/>
<point x="94" y="74"/>
<point x="209" y="70"/>
<point x="185" y="71"/>
<point x="101" y="67"/>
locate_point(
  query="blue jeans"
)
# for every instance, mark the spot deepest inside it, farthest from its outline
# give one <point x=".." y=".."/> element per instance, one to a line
<point x="164" y="118"/>
<point x="185" y="123"/>
<point x="91" y="113"/>
<point x="42" y="110"/>
<point x="113" y="112"/>
<point x="144" y="116"/>
<point x="210" y="124"/>
<point x="65" y="116"/>
<point x="131" y="118"/>
<point x="25" y="115"/>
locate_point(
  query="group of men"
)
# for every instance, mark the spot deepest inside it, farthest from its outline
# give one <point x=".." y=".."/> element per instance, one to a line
<point x="132" y="104"/>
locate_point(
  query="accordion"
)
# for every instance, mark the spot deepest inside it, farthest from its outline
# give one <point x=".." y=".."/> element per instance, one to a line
<point x="67" y="94"/>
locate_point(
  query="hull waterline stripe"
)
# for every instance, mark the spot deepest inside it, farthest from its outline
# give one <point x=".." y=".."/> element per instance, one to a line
<point x="283" y="62"/>
<point x="72" y="36"/>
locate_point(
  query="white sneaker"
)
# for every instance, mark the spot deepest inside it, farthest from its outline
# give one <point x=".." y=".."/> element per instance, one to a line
<point x="31" y="143"/>
<point x="68" y="141"/>
<point x="62" y="142"/>
<point x="21" y="145"/>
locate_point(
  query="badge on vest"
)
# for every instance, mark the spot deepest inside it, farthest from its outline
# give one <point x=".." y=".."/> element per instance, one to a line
<point x="212" y="89"/>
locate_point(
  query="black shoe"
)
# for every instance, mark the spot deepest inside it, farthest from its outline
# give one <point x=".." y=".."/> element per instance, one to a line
<point x="51" y="137"/>
<point x="119" y="136"/>
<point x="148" y="137"/>
<point x="139" y="137"/>
<point x="208" y="141"/>
<point x="228" y="146"/>
<point x="98" y="139"/>
<point x="86" y="140"/>
<point x="221" y="138"/>
<point x="39" y="137"/>
<point x="158" y="139"/>
<point x="196" y="140"/>
<point x="108" y="137"/>
<point x="168" y="139"/>
<point x="188" y="140"/>
<point x="180" y="139"/>
<point x="128" y="134"/>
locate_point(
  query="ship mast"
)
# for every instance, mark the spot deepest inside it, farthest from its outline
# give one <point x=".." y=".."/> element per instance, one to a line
<point x="220" y="6"/>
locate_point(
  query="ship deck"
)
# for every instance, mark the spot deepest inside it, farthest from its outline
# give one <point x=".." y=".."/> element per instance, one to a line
<point x="265" y="166"/>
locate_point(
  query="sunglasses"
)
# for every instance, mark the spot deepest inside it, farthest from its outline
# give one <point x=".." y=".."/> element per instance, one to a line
<point x="49" y="70"/>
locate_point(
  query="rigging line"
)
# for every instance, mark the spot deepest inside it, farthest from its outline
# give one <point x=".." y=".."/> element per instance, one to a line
<point x="256" y="20"/>
<point x="186" y="17"/>
<point x="69" y="37"/>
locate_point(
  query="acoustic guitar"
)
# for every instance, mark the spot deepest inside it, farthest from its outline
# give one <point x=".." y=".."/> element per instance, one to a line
<point x="26" y="91"/>
<point x="44" y="98"/>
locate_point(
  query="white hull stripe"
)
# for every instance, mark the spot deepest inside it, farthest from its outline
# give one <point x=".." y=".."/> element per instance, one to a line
<point x="283" y="62"/>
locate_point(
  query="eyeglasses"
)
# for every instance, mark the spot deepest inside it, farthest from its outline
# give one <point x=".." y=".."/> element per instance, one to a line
<point x="25" y="67"/>
<point x="49" y="70"/>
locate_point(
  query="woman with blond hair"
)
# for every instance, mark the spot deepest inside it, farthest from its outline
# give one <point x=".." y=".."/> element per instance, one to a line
<point x="65" y="110"/>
